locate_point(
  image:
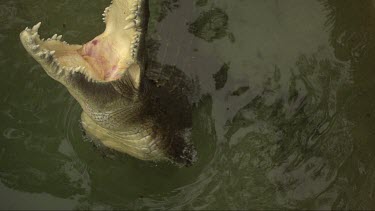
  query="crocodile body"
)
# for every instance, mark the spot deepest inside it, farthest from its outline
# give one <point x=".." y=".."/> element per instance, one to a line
<point x="122" y="108"/>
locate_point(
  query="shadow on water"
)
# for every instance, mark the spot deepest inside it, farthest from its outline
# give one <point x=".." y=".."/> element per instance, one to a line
<point x="283" y="117"/>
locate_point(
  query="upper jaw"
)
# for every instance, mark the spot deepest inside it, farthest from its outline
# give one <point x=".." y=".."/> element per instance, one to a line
<point x="106" y="58"/>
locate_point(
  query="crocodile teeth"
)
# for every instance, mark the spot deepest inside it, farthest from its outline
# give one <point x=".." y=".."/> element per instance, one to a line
<point x="36" y="27"/>
<point x="137" y="22"/>
<point x="130" y="17"/>
<point x="54" y="37"/>
<point x="34" y="36"/>
<point x="40" y="54"/>
<point x="130" y="25"/>
<point x="134" y="9"/>
<point x="35" y="47"/>
<point x="59" y="71"/>
<point x="59" y="37"/>
<point x="54" y="63"/>
<point x="52" y="53"/>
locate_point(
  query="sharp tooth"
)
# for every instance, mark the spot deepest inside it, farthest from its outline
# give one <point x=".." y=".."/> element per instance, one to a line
<point x="33" y="36"/>
<point x="54" y="37"/>
<point x="52" y="53"/>
<point x="35" y="47"/>
<point x="137" y="22"/>
<point x="59" y="37"/>
<point x="130" y="17"/>
<point x="130" y="25"/>
<point x="36" y="27"/>
<point x="30" y="40"/>
<point x="40" y="54"/>
<point x="27" y="29"/>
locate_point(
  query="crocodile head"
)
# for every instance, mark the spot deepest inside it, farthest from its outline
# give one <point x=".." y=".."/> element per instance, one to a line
<point x="103" y="59"/>
<point x="106" y="77"/>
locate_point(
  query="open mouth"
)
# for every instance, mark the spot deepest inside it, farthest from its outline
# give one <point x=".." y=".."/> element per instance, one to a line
<point x="103" y="59"/>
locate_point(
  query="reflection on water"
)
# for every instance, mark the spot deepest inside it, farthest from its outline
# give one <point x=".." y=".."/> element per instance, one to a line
<point x="284" y="117"/>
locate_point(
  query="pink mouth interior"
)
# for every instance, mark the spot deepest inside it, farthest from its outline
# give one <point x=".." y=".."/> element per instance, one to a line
<point x="101" y="54"/>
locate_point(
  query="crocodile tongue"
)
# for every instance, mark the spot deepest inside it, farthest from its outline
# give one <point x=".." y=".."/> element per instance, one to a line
<point x="103" y="59"/>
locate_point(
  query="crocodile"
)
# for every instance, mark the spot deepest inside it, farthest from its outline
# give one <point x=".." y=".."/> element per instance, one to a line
<point x="122" y="108"/>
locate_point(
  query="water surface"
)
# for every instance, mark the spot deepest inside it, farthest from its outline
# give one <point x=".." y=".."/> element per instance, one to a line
<point x="284" y="114"/>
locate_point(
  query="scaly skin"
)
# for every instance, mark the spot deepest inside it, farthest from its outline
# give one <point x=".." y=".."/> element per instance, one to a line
<point x="106" y="77"/>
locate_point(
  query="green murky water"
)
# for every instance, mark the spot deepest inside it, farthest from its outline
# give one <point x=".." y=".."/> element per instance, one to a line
<point x="285" y="117"/>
